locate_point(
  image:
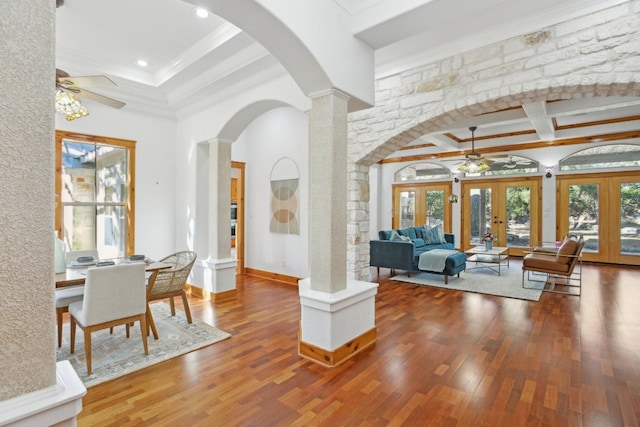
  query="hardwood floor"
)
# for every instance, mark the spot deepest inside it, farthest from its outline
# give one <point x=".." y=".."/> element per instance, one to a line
<point x="443" y="358"/>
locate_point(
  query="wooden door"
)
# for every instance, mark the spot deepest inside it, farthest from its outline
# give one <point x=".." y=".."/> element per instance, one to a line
<point x="416" y="205"/>
<point x="605" y="210"/>
<point x="509" y="208"/>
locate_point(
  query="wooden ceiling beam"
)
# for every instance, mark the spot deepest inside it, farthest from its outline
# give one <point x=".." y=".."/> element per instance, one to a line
<point x="522" y="146"/>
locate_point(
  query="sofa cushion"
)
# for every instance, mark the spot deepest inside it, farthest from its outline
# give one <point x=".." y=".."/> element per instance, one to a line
<point x="567" y="250"/>
<point x="384" y="234"/>
<point x="409" y="232"/>
<point x="419" y="243"/>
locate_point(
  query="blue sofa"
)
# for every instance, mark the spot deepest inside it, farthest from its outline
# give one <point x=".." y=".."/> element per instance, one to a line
<point x="404" y="255"/>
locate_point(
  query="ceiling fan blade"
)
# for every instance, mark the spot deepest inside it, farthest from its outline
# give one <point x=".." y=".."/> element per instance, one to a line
<point x="99" y="98"/>
<point x="84" y="81"/>
<point x="497" y="156"/>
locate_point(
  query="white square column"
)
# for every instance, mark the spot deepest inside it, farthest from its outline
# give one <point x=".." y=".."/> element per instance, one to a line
<point x="216" y="275"/>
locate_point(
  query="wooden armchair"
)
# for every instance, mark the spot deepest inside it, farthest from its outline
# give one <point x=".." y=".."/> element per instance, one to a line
<point x="559" y="267"/>
<point x="169" y="283"/>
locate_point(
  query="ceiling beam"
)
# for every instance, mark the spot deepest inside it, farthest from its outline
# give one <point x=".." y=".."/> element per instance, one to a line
<point x="542" y="123"/>
<point x="523" y="146"/>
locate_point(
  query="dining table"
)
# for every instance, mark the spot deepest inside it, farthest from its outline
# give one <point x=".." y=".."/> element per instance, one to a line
<point x="76" y="276"/>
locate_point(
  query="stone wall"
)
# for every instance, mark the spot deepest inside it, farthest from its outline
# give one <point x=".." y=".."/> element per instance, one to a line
<point x="595" y="55"/>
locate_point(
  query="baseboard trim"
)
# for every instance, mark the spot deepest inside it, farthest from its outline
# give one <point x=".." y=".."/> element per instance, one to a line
<point x="210" y="296"/>
<point x="333" y="358"/>
<point x="273" y="276"/>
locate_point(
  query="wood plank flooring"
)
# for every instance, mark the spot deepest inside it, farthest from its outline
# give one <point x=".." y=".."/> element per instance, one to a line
<point x="443" y="358"/>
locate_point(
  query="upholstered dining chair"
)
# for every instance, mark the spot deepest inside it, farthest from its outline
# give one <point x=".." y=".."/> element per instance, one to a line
<point x="65" y="296"/>
<point x="170" y="282"/>
<point x="113" y="295"/>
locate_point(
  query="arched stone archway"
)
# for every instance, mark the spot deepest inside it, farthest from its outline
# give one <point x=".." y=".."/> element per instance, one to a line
<point x="585" y="57"/>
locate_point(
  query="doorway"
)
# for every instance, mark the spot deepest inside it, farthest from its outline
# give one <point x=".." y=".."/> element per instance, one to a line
<point x="237" y="224"/>
<point x="605" y="210"/>
<point x="508" y="208"/>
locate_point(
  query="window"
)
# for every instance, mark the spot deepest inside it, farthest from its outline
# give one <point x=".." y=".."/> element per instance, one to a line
<point x="422" y="171"/>
<point x="94" y="193"/>
<point x="603" y="157"/>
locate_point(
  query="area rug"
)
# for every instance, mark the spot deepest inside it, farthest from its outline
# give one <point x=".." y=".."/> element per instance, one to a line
<point x="116" y="355"/>
<point x="481" y="280"/>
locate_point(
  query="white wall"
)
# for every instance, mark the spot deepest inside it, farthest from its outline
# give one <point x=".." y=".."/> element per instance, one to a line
<point x="155" y="138"/>
<point x="283" y="132"/>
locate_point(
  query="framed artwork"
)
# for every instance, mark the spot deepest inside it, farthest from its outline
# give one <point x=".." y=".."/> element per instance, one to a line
<point x="284" y="181"/>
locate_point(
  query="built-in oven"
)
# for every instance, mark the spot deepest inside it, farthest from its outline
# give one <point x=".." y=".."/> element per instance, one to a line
<point x="234" y="219"/>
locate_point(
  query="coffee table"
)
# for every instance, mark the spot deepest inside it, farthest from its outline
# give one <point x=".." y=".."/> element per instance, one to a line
<point x="489" y="258"/>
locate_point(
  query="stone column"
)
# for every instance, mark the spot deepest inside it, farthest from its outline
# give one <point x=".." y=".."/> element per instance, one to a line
<point x="338" y="315"/>
<point x="217" y="273"/>
<point x="328" y="191"/>
<point x="35" y="390"/>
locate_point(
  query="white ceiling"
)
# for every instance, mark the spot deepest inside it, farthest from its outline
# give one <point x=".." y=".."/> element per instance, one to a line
<point x="192" y="60"/>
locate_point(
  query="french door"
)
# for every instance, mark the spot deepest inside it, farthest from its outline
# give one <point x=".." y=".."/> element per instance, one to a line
<point x="605" y="210"/>
<point x="510" y="209"/>
<point x="415" y="205"/>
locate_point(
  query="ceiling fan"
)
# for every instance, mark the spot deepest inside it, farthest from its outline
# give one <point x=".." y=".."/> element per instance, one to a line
<point x="68" y="87"/>
<point x="474" y="162"/>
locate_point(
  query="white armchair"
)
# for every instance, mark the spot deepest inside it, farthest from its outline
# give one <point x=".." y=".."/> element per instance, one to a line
<point x="113" y="295"/>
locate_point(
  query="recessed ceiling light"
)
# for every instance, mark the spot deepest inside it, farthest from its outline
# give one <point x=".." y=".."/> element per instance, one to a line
<point x="141" y="63"/>
<point x="200" y="12"/>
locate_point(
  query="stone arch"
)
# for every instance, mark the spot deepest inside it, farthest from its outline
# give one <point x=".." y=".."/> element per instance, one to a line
<point x="441" y="116"/>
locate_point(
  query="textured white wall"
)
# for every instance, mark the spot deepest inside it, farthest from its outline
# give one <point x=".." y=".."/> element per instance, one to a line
<point x="27" y="329"/>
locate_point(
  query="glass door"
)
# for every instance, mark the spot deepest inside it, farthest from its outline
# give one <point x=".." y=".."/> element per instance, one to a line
<point x="507" y="208"/>
<point x="416" y="205"/>
<point x="605" y="210"/>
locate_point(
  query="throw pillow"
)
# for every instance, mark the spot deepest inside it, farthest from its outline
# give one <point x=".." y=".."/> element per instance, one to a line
<point x="430" y="235"/>
<point x="433" y="235"/>
<point x="441" y="233"/>
<point x="395" y="237"/>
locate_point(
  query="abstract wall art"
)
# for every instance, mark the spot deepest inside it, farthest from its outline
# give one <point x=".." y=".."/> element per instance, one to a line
<point x="284" y="180"/>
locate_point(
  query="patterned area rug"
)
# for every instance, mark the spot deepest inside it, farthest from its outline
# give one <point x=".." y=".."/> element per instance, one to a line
<point x="116" y="355"/>
<point x="481" y="280"/>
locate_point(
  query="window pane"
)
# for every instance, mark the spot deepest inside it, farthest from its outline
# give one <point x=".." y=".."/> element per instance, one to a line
<point x="518" y="213"/>
<point x="407" y="209"/>
<point x="422" y="171"/>
<point x="630" y="218"/>
<point x="110" y="231"/>
<point x="583" y="213"/>
<point x="111" y="174"/>
<point x="78" y="172"/>
<point x="480" y="214"/>
<point x="434" y="208"/>
<point x="79" y="227"/>
<point x="603" y="157"/>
